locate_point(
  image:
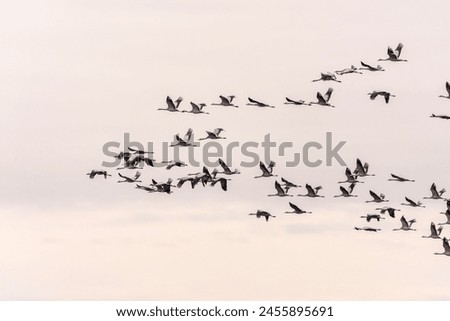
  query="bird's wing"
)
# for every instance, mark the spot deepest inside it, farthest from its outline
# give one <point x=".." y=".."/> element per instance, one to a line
<point x="224" y="100"/>
<point x="310" y="189"/>
<point x="320" y="98"/>
<point x="446" y="245"/>
<point x="137" y="175"/>
<point x="359" y="167"/>
<point x="348" y="173"/>
<point x="397" y="177"/>
<point x="217" y="131"/>
<point x="433" y="229"/>
<point x="433" y="190"/>
<point x="351" y="187"/>
<point x="391" y="212"/>
<point x="278" y="188"/>
<point x="448" y="204"/>
<point x="404" y="223"/>
<point x="290" y="100"/>
<point x="374" y="95"/>
<point x="447" y="86"/>
<point x="263" y="168"/>
<point x="255" y="101"/>
<point x="410" y="201"/>
<point x="398" y="50"/>
<point x="195" y="107"/>
<point x="375" y="196"/>
<point x="366" y="65"/>
<point x="188" y="135"/>
<point x="344" y="191"/>
<point x="328" y="94"/>
<point x="223" y="184"/>
<point x="295" y="207"/>
<point x="386" y="97"/>
<point x="170" y="103"/>
<point x="224" y="166"/>
<point x="391" y="53"/>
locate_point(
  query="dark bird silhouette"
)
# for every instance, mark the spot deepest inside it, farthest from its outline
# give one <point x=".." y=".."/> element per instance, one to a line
<point x="264" y="214"/>
<point x="296" y="209"/>
<point x="371" y="68"/>
<point x="440" y="116"/>
<point x="127" y="179"/>
<point x="280" y="191"/>
<point x="376" y="198"/>
<point x="387" y="95"/>
<point x="214" y="134"/>
<point x="434" y="193"/>
<point x="447" y="216"/>
<point x="226" y="169"/>
<point x="223" y="182"/>
<point x="327" y="76"/>
<point x="323" y="100"/>
<point x="172" y="106"/>
<point x="345" y="192"/>
<point x="226" y="101"/>
<point x="390" y="210"/>
<point x="196" y="109"/>
<point x="185" y="141"/>
<point x="446" y="248"/>
<point x="296" y="102"/>
<point x="434" y="234"/>
<point x="412" y="203"/>
<point x="350" y="177"/>
<point x="266" y="171"/>
<point x="352" y="70"/>
<point x="362" y="170"/>
<point x="394" y="55"/>
<point x="253" y="102"/>
<point x="94" y="173"/>
<point x="370" y="217"/>
<point x="406" y="225"/>
<point x="397" y="178"/>
<point x="312" y="192"/>
<point x="288" y="185"/>
<point x="368" y="229"/>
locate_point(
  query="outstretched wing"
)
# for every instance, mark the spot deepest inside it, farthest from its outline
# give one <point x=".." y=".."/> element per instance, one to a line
<point x="224" y="166"/>
<point x="280" y="191"/>
<point x="447" y="87"/>
<point x="366" y="65"/>
<point x="263" y="168"/>
<point x="398" y="50"/>
<point x="310" y="189"/>
<point x="410" y="201"/>
<point x="195" y="107"/>
<point x="404" y="223"/>
<point x="344" y="191"/>
<point x="375" y="196"/>
<point x="295" y="207"/>
<point x="391" y="53"/>
<point x="170" y="104"/>
<point x="255" y="101"/>
<point x="328" y="94"/>
<point x="224" y="100"/>
<point x="397" y="177"/>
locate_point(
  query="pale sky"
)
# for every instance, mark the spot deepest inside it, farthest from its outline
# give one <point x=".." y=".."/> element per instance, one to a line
<point x="77" y="74"/>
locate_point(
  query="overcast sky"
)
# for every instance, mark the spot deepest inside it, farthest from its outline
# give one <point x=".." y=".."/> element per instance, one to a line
<point x="78" y="74"/>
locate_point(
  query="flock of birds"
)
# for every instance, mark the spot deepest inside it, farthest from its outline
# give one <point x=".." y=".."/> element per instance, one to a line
<point x="135" y="159"/>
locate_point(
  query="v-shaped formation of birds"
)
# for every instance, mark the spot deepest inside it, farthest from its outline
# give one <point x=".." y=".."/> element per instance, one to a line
<point x="135" y="159"/>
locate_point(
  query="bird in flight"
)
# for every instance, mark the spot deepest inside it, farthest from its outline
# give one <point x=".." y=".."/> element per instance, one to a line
<point x="387" y="95"/>
<point x="253" y="102"/>
<point x="370" y="68"/>
<point x="171" y="105"/>
<point x="226" y="101"/>
<point x="94" y="173"/>
<point x="394" y="55"/>
<point x="264" y="214"/>
<point x="323" y="100"/>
